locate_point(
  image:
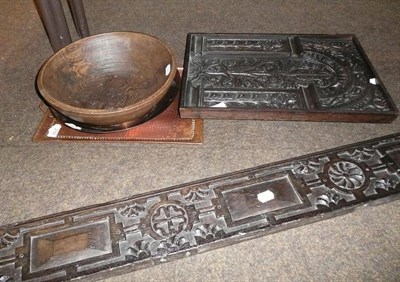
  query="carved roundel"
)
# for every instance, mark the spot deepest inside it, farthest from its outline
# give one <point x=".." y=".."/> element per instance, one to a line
<point x="346" y="175"/>
<point x="168" y="220"/>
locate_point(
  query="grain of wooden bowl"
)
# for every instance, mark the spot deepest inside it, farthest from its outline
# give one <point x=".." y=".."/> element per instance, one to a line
<point x="109" y="81"/>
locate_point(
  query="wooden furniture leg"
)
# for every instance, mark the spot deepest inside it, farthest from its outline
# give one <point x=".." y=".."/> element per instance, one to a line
<point x="79" y="17"/>
<point x="53" y="18"/>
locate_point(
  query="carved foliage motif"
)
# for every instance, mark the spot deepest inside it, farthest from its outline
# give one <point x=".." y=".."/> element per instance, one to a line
<point x="247" y="45"/>
<point x="258" y="73"/>
<point x="248" y="99"/>
<point x="335" y="67"/>
<point x="200" y="216"/>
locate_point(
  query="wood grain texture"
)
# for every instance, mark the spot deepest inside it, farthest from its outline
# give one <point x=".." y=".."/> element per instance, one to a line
<point x="109" y="79"/>
<point x="168" y="224"/>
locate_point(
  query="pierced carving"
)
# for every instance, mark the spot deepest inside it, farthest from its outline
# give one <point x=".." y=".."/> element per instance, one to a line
<point x="346" y="175"/>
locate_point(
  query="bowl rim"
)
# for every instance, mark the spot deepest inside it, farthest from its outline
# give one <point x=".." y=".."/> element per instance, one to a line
<point x="104" y="112"/>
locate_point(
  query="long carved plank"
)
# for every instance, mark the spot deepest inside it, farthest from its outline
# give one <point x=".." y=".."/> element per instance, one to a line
<point x="176" y="222"/>
<point x="282" y="77"/>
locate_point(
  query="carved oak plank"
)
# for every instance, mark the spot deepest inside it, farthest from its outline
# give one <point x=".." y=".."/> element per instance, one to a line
<point x="144" y="230"/>
<point x="282" y="77"/>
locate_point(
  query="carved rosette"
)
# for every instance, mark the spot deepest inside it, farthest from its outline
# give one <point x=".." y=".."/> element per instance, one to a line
<point x="346" y="175"/>
<point x="196" y="217"/>
<point x="169" y="220"/>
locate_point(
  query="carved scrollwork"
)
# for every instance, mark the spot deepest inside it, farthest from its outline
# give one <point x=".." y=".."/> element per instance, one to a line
<point x="362" y="155"/>
<point x="172" y="244"/>
<point x="328" y="199"/>
<point x="131" y="210"/>
<point x="8" y="237"/>
<point x="139" y="250"/>
<point x="306" y="167"/>
<point x="200" y="216"/>
<point x="196" y="195"/>
<point x="248" y="99"/>
<point x="346" y="175"/>
<point x="246" y="45"/>
<point x="336" y="68"/>
<point x="208" y="231"/>
<point x="385" y="184"/>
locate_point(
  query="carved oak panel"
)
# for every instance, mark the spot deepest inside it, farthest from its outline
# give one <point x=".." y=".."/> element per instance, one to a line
<point x="284" y="77"/>
<point x="176" y="222"/>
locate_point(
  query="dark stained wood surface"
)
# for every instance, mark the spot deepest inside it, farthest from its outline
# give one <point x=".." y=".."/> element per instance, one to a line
<point x="282" y="77"/>
<point x="157" y="227"/>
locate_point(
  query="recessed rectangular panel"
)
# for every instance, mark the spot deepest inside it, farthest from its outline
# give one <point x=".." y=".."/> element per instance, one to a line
<point x="249" y="201"/>
<point x="256" y="76"/>
<point x="59" y="248"/>
<point x="279" y="99"/>
<point x="164" y="225"/>
<point x="242" y="43"/>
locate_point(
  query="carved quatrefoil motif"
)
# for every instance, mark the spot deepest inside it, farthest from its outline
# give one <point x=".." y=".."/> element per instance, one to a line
<point x="346" y="175"/>
<point x="169" y="220"/>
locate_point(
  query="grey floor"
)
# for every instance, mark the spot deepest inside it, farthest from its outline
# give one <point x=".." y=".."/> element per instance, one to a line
<point x="43" y="178"/>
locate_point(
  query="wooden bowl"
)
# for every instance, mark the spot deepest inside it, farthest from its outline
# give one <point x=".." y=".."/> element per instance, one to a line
<point x="109" y="81"/>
